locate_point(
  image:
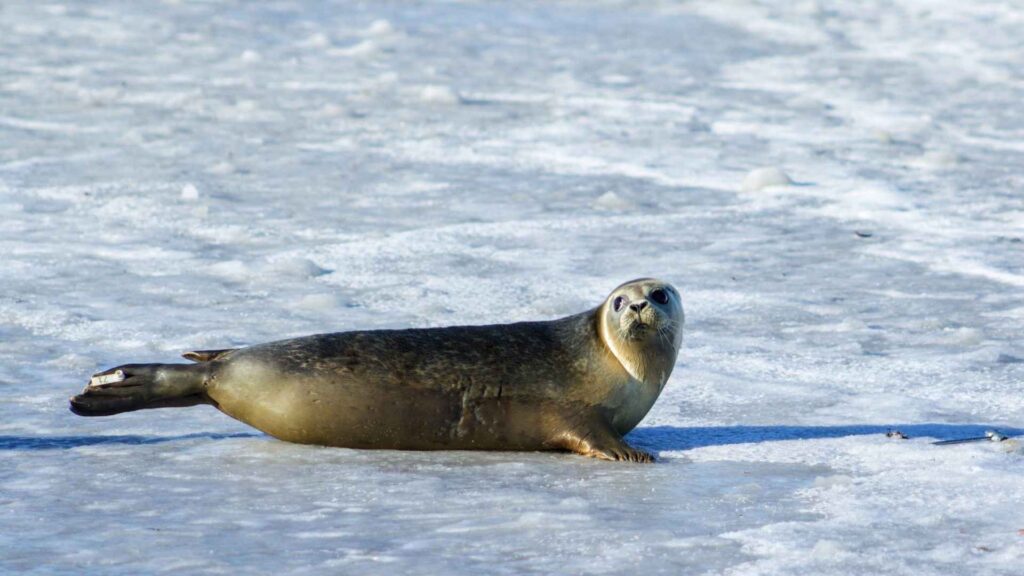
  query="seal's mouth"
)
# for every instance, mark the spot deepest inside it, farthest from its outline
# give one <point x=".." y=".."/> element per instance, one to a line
<point x="638" y="329"/>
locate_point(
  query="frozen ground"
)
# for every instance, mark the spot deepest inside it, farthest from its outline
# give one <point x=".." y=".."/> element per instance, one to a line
<point x="200" y="174"/>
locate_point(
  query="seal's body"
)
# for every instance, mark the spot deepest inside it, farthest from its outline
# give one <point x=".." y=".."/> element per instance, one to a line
<point x="578" y="383"/>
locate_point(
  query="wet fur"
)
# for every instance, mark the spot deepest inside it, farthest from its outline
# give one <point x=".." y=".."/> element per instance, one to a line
<point x="524" y="386"/>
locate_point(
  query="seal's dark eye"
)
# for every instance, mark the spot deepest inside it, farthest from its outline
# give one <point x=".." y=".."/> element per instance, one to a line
<point x="618" y="302"/>
<point x="660" y="296"/>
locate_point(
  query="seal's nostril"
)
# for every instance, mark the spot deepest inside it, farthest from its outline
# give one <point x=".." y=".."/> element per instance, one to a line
<point x="638" y="306"/>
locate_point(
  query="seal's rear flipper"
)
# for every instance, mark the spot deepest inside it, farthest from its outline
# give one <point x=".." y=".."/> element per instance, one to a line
<point x="206" y="355"/>
<point x="138" y="386"/>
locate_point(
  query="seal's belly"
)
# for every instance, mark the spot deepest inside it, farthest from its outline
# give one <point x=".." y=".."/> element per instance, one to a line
<point x="335" y="410"/>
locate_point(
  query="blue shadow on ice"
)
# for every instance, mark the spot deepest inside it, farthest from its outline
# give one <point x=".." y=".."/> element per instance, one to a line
<point x="66" y="442"/>
<point x="652" y="437"/>
<point x="676" y="438"/>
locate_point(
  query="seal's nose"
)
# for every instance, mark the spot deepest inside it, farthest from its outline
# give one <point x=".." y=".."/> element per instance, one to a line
<point x="638" y="306"/>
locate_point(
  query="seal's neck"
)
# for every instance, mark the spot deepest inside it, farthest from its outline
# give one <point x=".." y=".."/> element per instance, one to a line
<point x="649" y="360"/>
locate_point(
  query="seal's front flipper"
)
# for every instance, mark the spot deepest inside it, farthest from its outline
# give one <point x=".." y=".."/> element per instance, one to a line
<point x="598" y="440"/>
<point x="138" y="386"/>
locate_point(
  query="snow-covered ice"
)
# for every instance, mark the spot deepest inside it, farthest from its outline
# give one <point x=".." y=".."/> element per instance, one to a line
<point x="189" y="175"/>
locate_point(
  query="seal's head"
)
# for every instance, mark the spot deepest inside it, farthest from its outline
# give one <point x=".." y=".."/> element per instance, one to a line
<point x="642" y="324"/>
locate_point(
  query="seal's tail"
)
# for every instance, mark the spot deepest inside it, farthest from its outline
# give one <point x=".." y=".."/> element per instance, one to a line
<point x="138" y="386"/>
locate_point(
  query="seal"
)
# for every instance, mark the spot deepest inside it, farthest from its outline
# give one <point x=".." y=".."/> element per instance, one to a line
<point x="578" y="383"/>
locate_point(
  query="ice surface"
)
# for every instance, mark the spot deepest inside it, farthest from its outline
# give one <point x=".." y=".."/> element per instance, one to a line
<point x="195" y="175"/>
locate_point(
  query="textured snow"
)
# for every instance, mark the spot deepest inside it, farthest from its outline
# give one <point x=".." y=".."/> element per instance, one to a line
<point x="190" y="175"/>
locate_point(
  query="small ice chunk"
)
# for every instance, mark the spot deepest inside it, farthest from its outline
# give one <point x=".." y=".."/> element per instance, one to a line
<point x="1012" y="445"/>
<point x="73" y="362"/>
<point x="317" y="302"/>
<point x="189" y="192"/>
<point x="363" y="48"/>
<point x="761" y="178"/>
<point x="831" y="481"/>
<point x="221" y="168"/>
<point x="936" y="160"/>
<point x="616" y="79"/>
<point x="380" y="28"/>
<point x="829" y="550"/>
<point x="318" y="40"/>
<point x="330" y="110"/>
<point x="296" y="267"/>
<point x="439" y="94"/>
<point x="232" y="270"/>
<point x="611" y="201"/>
<point x="251" y="56"/>
<point x="961" y="336"/>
